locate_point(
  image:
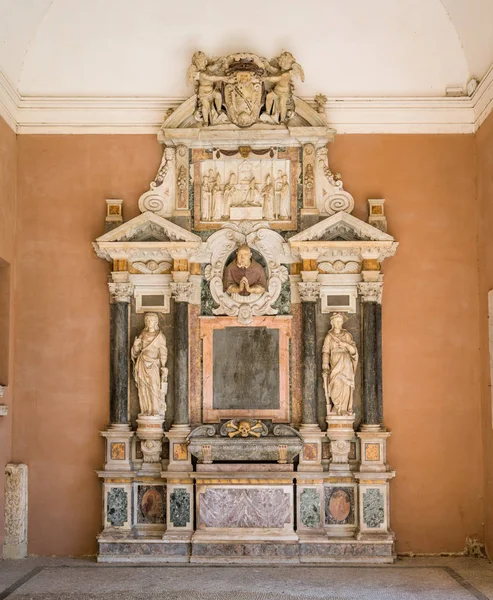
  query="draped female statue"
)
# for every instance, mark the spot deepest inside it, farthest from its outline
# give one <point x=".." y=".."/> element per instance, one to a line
<point x="149" y="355"/>
<point x="339" y="362"/>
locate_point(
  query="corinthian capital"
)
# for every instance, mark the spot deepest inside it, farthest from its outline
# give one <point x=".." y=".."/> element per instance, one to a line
<point x="309" y="291"/>
<point x="121" y="292"/>
<point x="371" y="291"/>
<point x="181" y="292"/>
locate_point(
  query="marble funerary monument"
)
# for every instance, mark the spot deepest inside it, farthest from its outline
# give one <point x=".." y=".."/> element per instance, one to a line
<point x="246" y="344"/>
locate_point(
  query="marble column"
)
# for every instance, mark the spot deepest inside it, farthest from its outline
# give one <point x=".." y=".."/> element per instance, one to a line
<point x="121" y="293"/>
<point x="371" y="296"/>
<point x="311" y="456"/>
<point x="181" y="363"/>
<point x="309" y="362"/>
<point x="179" y="456"/>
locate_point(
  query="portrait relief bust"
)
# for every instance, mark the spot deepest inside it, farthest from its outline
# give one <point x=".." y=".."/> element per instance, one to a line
<point x="244" y="275"/>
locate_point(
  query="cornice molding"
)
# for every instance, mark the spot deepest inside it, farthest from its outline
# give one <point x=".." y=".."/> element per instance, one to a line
<point x="130" y="115"/>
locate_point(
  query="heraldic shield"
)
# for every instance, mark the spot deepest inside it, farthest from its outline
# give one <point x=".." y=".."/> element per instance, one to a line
<point x="243" y="97"/>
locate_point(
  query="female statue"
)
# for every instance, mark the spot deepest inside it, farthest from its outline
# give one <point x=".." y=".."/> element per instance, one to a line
<point x="339" y="362"/>
<point x="149" y="355"/>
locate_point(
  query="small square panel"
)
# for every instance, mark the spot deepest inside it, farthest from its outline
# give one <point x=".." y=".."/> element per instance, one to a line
<point x="180" y="452"/>
<point x="117" y="450"/>
<point x="372" y="452"/>
<point x="310" y="452"/>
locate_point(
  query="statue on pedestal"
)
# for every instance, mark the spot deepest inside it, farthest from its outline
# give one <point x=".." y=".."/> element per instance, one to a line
<point x="244" y="275"/>
<point x="339" y="362"/>
<point x="149" y="355"/>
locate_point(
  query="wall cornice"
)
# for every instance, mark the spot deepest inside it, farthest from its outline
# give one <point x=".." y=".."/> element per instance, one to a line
<point x="130" y="115"/>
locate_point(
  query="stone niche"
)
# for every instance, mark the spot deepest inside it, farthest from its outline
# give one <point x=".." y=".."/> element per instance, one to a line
<point x="245" y="366"/>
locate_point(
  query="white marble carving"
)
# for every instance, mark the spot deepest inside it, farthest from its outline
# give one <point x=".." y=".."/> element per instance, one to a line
<point x="237" y="83"/>
<point x="122" y="291"/>
<point x="152" y="267"/>
<point x="149" y="356"/>
<point x="228" y="185"/>
<point x="159" y="198"/>
<point x="16" y="498"/>
<point x="182" y="291"/>
<point x="331" y="196"/>
<point x="371" y="291"/>
<point x="221" y="245"/>
<point x="339" y="362"/>
<point x="254" y="507"/>
<point x="309" y="291"/>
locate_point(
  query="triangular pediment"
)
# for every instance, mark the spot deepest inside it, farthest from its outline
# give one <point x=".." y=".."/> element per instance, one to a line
<point x="341" y="227"/>
<point x="148" y="227"/>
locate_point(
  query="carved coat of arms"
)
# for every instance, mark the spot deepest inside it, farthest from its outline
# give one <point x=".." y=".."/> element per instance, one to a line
<point x="243" y="97"/>
<point x="243" y="88"/>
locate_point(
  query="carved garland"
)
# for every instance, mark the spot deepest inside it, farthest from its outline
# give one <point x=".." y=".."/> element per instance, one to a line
<point x="221" y="245"/>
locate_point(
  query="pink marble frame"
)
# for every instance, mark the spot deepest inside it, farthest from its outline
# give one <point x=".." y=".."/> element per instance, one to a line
<point x="207" y="327"/>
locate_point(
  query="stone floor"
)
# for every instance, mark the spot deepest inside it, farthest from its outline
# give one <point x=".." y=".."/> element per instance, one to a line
<point x="407" y="579"/>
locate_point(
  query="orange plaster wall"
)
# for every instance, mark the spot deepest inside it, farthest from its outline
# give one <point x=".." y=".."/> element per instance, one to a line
<point x="431" y="339"/>
<point x="484" y="151"/>
<point x="430" y="329"/>
<point x="8" y="168"/>
<point x="62" y="361"/>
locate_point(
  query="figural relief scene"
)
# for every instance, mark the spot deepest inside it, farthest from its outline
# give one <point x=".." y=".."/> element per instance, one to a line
<point x="246" y="399"/>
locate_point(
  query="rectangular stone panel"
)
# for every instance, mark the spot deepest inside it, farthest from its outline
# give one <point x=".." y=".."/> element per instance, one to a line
<point x="246" y="368"/>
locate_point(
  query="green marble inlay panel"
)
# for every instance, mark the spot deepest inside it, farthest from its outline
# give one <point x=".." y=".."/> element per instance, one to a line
<point x="117" y="507"/>
<point x="310" y="507"/>
<point x="179" y="507"/>
<point x="373" y="508"/>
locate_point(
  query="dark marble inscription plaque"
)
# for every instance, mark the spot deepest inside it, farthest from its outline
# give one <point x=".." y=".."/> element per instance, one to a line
<point x="246" y="368"/>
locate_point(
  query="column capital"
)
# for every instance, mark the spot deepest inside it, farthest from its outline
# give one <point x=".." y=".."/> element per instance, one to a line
<point x="122" y="291"/>
<point x="182" y="291"/>
<point x="371" y="291"/>
<point x="309" y="291"/>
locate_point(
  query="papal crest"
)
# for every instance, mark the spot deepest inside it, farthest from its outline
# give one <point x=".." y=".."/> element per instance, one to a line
<point x="243" y="98"/>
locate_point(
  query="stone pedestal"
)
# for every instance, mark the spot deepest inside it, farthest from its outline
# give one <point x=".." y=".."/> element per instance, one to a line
<point x="340" y="433"/>
<point x="310" y="505"/>
<point x="373" y="451"/>
<point x="179" y="454"/>
<point x="179" y="508"/>
<point x="374" y="506"/>
<point x="311" y="454"/>
<point x="150" y="433"/>
<point x="118" y="448"/>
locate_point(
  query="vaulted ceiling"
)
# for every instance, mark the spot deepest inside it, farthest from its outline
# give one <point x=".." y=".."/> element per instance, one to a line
<point x="142" y="48"/>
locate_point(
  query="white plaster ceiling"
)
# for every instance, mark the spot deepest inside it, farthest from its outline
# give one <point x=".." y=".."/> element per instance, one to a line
<point x="385" y="48"/>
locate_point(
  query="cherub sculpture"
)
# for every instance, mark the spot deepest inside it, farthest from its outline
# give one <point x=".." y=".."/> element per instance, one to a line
<point x="279" y="101"/>
<point x="209" y="97"/>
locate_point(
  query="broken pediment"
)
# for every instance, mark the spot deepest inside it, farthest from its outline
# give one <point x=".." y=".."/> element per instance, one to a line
<point x="344" y="227"/>
<point x="343" y="234"/>
<point x="145" y="233"/>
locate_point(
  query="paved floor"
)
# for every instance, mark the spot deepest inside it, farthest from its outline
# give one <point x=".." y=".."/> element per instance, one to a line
<point x="407" y="579"/>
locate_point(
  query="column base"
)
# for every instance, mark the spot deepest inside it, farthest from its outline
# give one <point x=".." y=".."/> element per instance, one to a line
<point x="373" y="451"/>
<point x="311" y="454"/>
<point x="118" y="448"/>
<point x="180" y="458"/>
